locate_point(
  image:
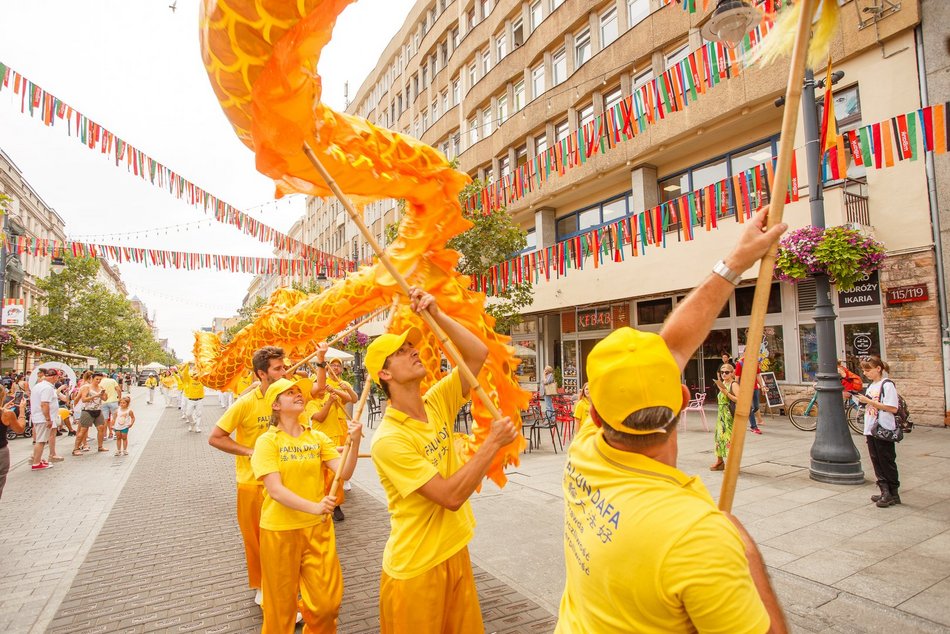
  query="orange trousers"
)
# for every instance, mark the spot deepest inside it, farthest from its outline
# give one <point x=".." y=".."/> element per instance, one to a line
<point x="442" y="600"/>
<point x="303" y="558"/>
<point x="250" y="498"/>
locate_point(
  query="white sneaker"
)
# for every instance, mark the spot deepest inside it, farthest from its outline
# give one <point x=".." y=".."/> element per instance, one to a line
<point x="259" y="597"/>
<point x="299" y="617"/>
<point x="198" y="430"/>
<point x="347" y="486"/>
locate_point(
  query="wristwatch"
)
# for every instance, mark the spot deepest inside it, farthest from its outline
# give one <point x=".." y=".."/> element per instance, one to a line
<point x="723" y="271"/>
<point x="321" y="364"/>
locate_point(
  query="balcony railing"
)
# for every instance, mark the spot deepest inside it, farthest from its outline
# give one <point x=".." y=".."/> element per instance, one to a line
<point x="856" y="202"/>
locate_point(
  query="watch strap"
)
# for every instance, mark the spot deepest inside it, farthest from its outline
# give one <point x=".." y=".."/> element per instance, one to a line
<point x="726" y="273"/>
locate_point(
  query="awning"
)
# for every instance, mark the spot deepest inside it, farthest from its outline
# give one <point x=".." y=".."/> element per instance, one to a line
<point x="50" y="351"/>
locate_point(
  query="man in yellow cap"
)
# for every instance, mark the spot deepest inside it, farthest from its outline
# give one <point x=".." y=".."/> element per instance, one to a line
<point x="249" y="417"/>
<point x="646" y="549"/>
<point x="427" y="585"/>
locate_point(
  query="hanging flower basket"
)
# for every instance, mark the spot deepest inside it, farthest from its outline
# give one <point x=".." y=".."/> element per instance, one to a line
<point x="845" y="255"/>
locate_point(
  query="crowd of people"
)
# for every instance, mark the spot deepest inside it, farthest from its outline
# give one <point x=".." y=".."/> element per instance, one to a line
<point x="627" y="506"/>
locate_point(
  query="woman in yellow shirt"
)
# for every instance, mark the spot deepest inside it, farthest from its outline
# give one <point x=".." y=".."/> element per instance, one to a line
<point x="298" y="547"/>
<point x="582" y="408"/>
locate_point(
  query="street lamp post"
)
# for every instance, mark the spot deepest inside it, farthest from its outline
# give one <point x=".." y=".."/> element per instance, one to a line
<point x="834" y="458"/>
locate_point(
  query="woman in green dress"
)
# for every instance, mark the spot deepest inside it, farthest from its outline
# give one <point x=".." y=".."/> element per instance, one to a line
<point x="726" y="397"/>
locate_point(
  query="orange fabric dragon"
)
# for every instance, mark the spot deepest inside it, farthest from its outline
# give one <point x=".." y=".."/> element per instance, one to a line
<point x="261" y="57"/>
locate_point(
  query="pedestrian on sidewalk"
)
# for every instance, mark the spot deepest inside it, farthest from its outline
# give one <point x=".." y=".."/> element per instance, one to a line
<point x="44" y="414"/>
<point x="755" y="418"/>
<point x="248" y="418"/>
<point x="427" y="585"/>
<point x="882" y="401"/>
<point x="90" y="399"/>
<point x="629" y="508"/>
<point x="726" y="410"/>
<point x="581" y="409"/>
<point x="151" y="383"/>
<point x="110" y="404"/>
<point x="298" y="545"/>
<point x="8" y="420"/>
<point x="124" y="419"/>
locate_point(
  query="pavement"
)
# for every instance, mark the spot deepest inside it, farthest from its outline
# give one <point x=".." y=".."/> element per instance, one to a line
<point x="148" y="542"/>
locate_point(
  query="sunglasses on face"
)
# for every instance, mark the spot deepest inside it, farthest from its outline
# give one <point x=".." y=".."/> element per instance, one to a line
<point x="725" y="372"/>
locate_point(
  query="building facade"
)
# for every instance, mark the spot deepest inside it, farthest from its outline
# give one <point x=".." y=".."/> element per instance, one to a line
<point x="495" y="83"/>
<point x="27" y="215"/>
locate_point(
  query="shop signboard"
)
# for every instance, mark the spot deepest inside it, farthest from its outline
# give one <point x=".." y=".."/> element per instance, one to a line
<point x="772" y="392"/>
<point x="14" y="312"/>
<point x="867" y="292"/>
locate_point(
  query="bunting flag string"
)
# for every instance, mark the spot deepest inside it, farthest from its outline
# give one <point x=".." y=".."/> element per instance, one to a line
<point x="181" y="260"/>
<point x="905" y="137"/>
<point x="673" y="91"/>
<point x="34" y="101"/>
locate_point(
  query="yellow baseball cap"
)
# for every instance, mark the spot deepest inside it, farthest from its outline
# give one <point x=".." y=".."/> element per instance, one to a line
<point x="280" y="386"/>
<point x="385" y="345"/>
<point x="631" y="370"/>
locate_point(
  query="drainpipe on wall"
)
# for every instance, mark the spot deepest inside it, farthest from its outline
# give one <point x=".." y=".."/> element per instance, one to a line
<point x="935" y="224"/>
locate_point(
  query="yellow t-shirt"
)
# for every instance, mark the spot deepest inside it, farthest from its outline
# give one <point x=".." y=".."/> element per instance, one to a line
<point x="334" y="425"/>
<point x="151" y="382"/>
<point x="582" y="411"/>
<point x="192" y="389"/>
<point x="249" y="416"/>
<point x="111" y="387"/>
<point x="408" y="453"/>
<point x="169" y="381"/>
<point x="300" y="464"/>
<point x="647" y="550"/>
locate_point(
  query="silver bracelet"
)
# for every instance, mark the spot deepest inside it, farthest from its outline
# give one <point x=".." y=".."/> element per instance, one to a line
<point x="723" y="271"/>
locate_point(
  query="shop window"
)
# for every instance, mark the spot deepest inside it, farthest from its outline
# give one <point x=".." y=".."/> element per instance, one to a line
<point x="808" y="344"/>
<point x="608" y="27"/>
<point x="771" y="350"/>
<point x="861" y="341"/>
<point x="637" y="10"/>
<point x="745" y="295"/>
<point x="653" y="311"/>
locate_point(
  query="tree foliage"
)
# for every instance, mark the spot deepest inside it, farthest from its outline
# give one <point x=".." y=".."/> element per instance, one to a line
<point x="493" y="238"/>
<point x="84" y="317"/>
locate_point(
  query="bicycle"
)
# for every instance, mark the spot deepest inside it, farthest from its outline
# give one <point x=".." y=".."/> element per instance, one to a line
<point x="803" y="414"/>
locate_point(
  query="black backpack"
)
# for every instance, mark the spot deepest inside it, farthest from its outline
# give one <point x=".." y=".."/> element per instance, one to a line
<point x="902" y="416"/>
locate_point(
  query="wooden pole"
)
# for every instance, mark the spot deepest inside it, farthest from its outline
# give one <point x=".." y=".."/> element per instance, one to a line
<point x="365" y="320"/>
<point x="450" y="348"/>
<point x="750" y="360"/>
<point x="358" y="412"/>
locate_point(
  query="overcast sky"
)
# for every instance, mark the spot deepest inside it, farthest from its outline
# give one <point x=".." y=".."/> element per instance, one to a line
<point x="135" y="68"/>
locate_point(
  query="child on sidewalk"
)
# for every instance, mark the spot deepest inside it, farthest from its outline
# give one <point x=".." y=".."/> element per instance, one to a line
<point x="124" y="419"/>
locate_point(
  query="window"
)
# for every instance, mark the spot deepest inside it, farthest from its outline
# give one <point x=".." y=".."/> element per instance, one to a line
<point x="531" y="240"/>
<point x="456" y="91"/>
<point x="473" y="131"/>
<point x="536" y="15"/>
<point x="540" y="143"/>
<point x="415" y="86"/>
<point x="489" y="175"/>
<point x="614" y="209"/>
<point x="455" y="38"/>
<point x="561" y="131"/>
<point x="585" y="115"/>
<point x="637" y="10"/>
<point x="445" y="101"/>
<point x="486" y="7"/>
<point x="521" y="156"/>
<point x="501" y="46"/>
<point x="472" y="75"/>
<point x="502" y="109"/>
<point x="848" y="117"/>
<point x="674" y="187"/>
<point x="567" y="226"/>
<point x="643" y="78"/>
<point x="443" y="54"/>
<point x="772" y="350"/>
<point x="582" y="48"/>
<point x="677" y="56"/>
<point x="425" y="76"/>
<point x="517" y="33"/>
<point x="537" y="81"/>
<point x="486" y="62"/>
<point x="558" y="67"/>
<point x="519" y="96"/>
<point x="653" y="311"/>
<point x="504" y="166"/>
<point x="612" y="98"/>
<point x="708" y="174"/>
<point x="470" y="18"/>
<point x="608" y="27"/>
<point x="487" y="120"/>
<point x="744" y="296"/>
<point x="555" y="4"/>
<point x="425" y="119"/>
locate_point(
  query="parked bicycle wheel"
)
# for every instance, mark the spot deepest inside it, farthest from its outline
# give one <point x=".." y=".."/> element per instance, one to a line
<point x="803" y="413"/>
<point x="855" y="417"/>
